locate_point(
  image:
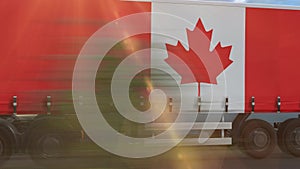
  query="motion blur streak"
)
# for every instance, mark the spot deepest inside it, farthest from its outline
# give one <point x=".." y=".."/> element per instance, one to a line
<point x="40" y="41"/>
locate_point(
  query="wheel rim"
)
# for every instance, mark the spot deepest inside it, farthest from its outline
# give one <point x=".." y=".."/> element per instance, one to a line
<point x="295" y="138"/>
<point x="50" y="146"/>
<point x="260" y="138"/>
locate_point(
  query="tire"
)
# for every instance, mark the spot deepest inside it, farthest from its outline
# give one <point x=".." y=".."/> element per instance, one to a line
<point x="292" y="137"/>
<point x="258" y="138"/>
<point x="280" y="135"/>
<point x="46" y="146"/>
<point x="5" y="148"/>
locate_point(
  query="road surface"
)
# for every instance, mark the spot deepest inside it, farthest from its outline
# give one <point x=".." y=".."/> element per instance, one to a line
<point x="220" y="157"/>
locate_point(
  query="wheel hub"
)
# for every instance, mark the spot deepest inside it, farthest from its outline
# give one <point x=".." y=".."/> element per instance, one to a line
<point x="51" y="146"/>
<point x="260" y="138"/>
<point x="297" y="136"/>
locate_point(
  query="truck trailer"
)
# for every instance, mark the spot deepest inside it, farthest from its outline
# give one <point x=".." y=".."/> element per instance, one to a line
<point x="228" y="71"/>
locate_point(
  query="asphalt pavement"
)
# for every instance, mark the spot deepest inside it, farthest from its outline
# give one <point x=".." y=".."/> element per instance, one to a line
<point x="209" y="157"/>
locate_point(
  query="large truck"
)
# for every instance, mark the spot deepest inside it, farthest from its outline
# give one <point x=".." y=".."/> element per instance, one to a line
<point x="229" y="69"/>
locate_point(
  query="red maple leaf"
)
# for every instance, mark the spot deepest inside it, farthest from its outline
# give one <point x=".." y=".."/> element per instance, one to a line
<point x="198" y="64"/>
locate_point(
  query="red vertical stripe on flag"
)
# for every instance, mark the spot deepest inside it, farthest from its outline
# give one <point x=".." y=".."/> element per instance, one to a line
<point x="40" y="41"/>
<point x="272" y="59"/>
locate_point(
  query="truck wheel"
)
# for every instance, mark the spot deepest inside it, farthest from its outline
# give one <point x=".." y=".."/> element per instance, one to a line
<point x="46" y="146"/>
<point x="292" y="137"/>
<point x="280" y="135"/>
<point x="5" y="148"/>
<point x="258" y="138"/>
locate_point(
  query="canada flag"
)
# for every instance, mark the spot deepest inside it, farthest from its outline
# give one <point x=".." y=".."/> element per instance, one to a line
<point x="257" y="47"/>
